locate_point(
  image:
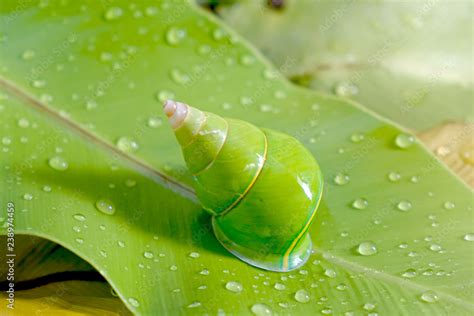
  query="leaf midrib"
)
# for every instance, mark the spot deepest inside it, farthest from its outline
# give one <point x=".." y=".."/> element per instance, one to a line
<point x="137" y="164"/>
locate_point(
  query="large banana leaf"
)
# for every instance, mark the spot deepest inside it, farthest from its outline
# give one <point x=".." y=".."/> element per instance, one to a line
<point x="410" y="61"/>
<point x="90" y="164"/>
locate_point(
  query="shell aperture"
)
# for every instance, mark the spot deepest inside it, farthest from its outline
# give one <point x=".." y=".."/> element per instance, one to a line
<point x="261" y="186"/>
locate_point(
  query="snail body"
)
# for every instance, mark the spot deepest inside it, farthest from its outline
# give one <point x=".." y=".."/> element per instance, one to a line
<point x="261" y="186"/>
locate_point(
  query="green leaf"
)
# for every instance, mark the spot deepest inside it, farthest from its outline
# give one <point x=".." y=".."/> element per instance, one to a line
<point x="90" y="163"/>
<point x="409" y="61"/>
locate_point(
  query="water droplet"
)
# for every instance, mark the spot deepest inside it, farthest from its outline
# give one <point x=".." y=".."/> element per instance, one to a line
<point x="357" y="137"/>
<point x="127" y="144"/>
<point x="435" y="247"/>
<point x="204" y="49"/>
<point x="175" y="35"/>
<point x="194" y="304"/>
<point x="47" y="188"/>
<point x="369" y="306"/>
<point x="330" y="273"/>
<point x="326" y="311"/>
<point x="154" y="122"/>
<point x="105" y="206"/>
<point x="77" y="229"/>
<point x="194" y="254"/>
<point x="148" y="254"/>
<point x="247" y="60"/>
<point x="279" y="286"/>
<point x="38" y="83"/>
<point x="6" y="140"/>
<point x="121" y="244"/>
<point x="79" y="217"/>
<point x="266" y="108"/>
<point x="429" y="297"/>
<point x="113" y="13"/>
<point x="394" y="176"/>
<point x="133" y="302"/>
<point x="341" y="287"/>
<point x="469" y="237"/>
<point x="218" y="34"/>
<point x="234" y="286"/>
<point x="164" y="95"/>
<point x="103" y="253"/>
<point x="360" y="203"/>
<point x="28" y="54"/>
<point x="448" y="205"/>
<point x="102" y="227"/>
<point x="151" y="11"/>
<point x="404" y="140"/>
<point x="260" y="309"/>
<point x="204" y="272"/>
<point x="341" y="179"/>
<point x="345" y="89"/>
<point x="467" y="154"/>
<point x="79" y="241"/>
<point x="179" y="76"/>
<point x="23" y="123"/>
<point x="302" y="296"/>
<point x="58" y="163"/>
<point x="173" y="268"/>
<point x="404" y="205"/>
<point x="367" y="248"/>
<point x="409" y="273"/>
<point x="130" y="183"/>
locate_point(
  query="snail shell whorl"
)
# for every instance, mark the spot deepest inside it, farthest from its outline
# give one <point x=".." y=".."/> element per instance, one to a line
<point x="263" y="187"/>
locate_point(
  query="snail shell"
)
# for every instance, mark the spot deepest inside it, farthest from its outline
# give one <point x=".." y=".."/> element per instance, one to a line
<point x="261" y="186"/>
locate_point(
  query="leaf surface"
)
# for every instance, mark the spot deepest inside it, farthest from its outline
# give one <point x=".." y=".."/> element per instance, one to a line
<point x="83" y="136"/>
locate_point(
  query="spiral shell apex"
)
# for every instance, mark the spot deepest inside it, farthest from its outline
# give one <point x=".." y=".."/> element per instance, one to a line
<point x="261" y="186"/>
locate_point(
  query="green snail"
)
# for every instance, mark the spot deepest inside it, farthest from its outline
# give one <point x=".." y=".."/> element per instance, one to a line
<point x="262" y="187"/>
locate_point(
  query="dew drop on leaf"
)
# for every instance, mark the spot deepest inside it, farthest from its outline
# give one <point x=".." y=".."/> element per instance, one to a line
<point x="429" y="297"/>
<point x="175" y="35"/>
<point x="47" y="188"/>
<point x="261" y="309"/>
<point x="404" y="140"/>
<point x="279" y="286"/>
<point x="369" y="306"/>
<point x="435" y="247"/>
<point x="302" y="296"/>
<point x="27" y="197"/>
<point x="6" y="140"/>
<point x="394" y="176"/>
<point x="194" y="254"/>
<point x="367" y="248"/>
<point x="404" y="205"/>
<point x="23" y="123"/>
<point x="105" y="206"/>
<point x="79" y="241"/>
<point x="341" y="179"/>
<point x="79" y="217"/>
<point x="448" y="205"/>
<point x="204" y="272"/>
<point x="173" y="268"/>
<point x="357" y="137"/>
<point x="113" y="13"/>
<point x="330" y="273"/>
<point x="28" y="54"/>
<point x="469" y="237"/>
<point x="121" y="244"/>
<point x="154" y="122"/>
<point x="360" y="203"/>
<point x="234" y="286"/>
<point x="148" y="254"/>
<point x="58" y="163"/>
<point x="194" y="304"/>
<point x="134" y="302"/>
<point x="345" y="89"/>
<point x="409" y="273"/>
<point x="127" y="144"/>
<point x="164" y="95"/>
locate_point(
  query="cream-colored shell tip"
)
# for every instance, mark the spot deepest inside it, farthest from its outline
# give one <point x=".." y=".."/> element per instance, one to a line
<point x="176" y="112"/>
